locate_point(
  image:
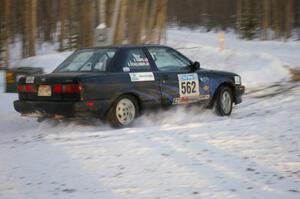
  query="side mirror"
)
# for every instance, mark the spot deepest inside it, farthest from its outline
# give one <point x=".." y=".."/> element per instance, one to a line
<point x="195" y="65"/>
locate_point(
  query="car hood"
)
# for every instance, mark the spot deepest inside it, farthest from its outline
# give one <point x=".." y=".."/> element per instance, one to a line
<point x="219" y="72"/>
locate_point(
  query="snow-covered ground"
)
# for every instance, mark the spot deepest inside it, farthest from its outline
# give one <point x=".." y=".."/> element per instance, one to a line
<point x="181" y="153"/>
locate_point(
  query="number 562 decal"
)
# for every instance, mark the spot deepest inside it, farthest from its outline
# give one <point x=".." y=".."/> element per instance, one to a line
<point x="188" y="85"/>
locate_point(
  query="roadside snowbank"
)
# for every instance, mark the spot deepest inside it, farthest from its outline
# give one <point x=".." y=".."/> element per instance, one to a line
<point x="2" y="81"/>
<point x="48" y="62"/>
<point x="41" y="49"/>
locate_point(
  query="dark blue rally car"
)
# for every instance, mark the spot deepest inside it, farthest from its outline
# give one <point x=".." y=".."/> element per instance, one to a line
<point x="118" y="83"/>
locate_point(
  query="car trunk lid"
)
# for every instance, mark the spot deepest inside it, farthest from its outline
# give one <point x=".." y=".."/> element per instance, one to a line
<point x="51" y="87"/>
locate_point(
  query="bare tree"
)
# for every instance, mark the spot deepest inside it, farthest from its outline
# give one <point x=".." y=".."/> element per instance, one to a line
<point x="266" y="18"/>
<point x="62" y="13"/>
<point x="144" y="22"/>
<point x="87" y="23"/>
<point x="153" y="21"/>
<point x="132" y="25"/>
<point x="288" y="18"/>
<point x="48" y="21"/>
<point x="7" y="17"/>
<point x="162" y="20"/>
<point x="32" y="7"/>
<point x="119" y="35"/>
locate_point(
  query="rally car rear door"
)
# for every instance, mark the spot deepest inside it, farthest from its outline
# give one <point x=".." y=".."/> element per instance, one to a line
<point x="143" y="80"/>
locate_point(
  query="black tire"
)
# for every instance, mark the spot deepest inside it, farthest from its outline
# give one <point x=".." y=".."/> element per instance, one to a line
<point x="220" y="108"/>
<point x="112" y="116"/>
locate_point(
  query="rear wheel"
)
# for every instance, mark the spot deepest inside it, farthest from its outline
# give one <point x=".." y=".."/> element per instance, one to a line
<point x="123" y="111"/>
<point x="224" y="102"/>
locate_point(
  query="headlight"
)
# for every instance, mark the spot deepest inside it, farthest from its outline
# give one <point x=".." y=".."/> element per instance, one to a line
<point x="237" y="80"/>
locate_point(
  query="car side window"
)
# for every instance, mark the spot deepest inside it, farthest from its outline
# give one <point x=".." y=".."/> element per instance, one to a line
<point x="137" y="60"/>
<point x="104" y="60"/>
<point x="168" y="60"/>
<point x="101" y="63"/>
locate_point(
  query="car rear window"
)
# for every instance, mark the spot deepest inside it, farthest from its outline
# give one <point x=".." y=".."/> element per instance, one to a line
<point x="88" y="60"/>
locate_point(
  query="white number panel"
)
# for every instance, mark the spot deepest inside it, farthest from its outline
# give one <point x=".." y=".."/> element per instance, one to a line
<point x="188" y="85"/>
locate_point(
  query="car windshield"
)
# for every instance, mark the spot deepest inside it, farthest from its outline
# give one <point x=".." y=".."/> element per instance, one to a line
<point x="87" y="60"/>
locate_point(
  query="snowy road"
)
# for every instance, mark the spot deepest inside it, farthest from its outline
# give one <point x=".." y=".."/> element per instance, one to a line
<point x="255" y="153"/>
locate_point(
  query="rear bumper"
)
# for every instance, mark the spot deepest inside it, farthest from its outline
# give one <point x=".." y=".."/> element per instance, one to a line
<point x="239" y="91"/>
<point x="63" y="109"/>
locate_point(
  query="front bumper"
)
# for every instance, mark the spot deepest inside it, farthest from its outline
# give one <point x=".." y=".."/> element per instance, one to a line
<point x="239" y="91"/>
<point x="61" y="109"/>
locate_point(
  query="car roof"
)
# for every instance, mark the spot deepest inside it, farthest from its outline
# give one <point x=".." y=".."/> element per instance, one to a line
<point x="127" y="46"/>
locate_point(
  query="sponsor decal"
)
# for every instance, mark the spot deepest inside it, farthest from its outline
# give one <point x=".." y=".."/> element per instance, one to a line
<point x="187" y="100"/>
<point x="138" y="61"/>
<point x="203" y="97"/>
<point x="204" y="79"/>
<point x="205" y="88"/>
<point x="29" y="80"/>
<point x="188" y="85"/>
<point x="142" y="77"/>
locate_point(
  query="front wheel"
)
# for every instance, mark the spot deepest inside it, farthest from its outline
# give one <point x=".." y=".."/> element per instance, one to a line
<point x="224" y="102"/>
<point x="123" y="111"/>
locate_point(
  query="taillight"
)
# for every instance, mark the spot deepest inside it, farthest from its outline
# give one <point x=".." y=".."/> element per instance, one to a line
<point x="27" y="88"/>
<point x="90" y="104"/>
<point x="66" y="88"/>
<point x="30" y="88"/>
<point x="71" y="88"/>
<point x="57" y="88"/>
<point x="21" y="88"/>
